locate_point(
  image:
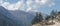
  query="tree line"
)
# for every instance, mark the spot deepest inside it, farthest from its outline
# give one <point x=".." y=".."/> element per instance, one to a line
<point x="39" y="18"/>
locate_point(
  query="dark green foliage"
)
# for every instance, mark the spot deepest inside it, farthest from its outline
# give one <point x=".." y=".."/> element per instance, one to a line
<point x="53" y="14"/>
<point x="38" y="18"/>
<point x="47" y="17"/>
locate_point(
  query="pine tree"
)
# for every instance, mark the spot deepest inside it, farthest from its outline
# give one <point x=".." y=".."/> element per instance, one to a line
<point x="38" y="18"/>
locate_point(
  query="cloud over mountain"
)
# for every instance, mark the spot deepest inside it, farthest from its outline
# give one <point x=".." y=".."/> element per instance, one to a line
<point x="28" y="5"/>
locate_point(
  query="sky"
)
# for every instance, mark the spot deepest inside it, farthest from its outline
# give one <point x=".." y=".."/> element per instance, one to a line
<point x="44" y="6"/>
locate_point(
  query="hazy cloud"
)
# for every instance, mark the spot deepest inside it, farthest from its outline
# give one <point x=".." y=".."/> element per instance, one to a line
<point x="29" y="5"/>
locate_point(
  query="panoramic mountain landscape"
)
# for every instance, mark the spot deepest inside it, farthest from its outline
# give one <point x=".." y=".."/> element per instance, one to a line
<point x="22" y="18"/>
<point x="29" y="12"/>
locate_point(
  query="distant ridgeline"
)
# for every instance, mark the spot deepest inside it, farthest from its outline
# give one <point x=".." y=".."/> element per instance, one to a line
<point x="7" y="19"/>
<point x="14" y="18"/>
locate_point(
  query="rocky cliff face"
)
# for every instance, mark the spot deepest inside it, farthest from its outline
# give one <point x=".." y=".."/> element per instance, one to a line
<point x="7" y="19"/>
<point x="15" y="18"/>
